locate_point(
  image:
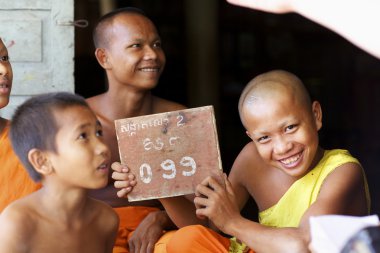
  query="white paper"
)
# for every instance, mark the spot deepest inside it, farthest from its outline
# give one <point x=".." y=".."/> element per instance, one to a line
<point x="329" y="233"/>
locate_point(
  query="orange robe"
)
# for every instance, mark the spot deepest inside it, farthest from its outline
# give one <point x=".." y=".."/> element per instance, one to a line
<point x="14" y="179"/>
<point x="197" y="238"/>
<point x="130" y="218"/>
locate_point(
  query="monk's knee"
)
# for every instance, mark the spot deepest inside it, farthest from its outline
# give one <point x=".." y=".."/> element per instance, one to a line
<point x="186" y="238"/>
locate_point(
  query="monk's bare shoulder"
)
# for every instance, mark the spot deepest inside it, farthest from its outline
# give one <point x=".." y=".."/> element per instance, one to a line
<point x="107" y="218"/>
<point x="248" y="163"/>
<point x="95" y="102"/>
<point x="17" y="225"/>
<point x="163" y="105"/>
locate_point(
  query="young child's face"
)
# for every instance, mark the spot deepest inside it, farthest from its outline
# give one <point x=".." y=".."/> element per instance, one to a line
<point x="135" y="51"/>
<point x="6" y="76"/>
<point x="81" y="158"/>
<point x="284" y="132"/>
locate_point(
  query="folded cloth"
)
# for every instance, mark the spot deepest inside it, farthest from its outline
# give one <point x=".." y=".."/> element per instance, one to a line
<point x="130" y="218"/>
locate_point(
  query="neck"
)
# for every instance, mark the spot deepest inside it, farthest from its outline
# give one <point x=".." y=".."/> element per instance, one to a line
<point x="65" y="204"/>
<point x="124" y="104"/>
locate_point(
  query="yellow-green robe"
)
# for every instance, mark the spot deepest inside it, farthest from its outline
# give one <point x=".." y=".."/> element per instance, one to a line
<point x="302" y="194"/>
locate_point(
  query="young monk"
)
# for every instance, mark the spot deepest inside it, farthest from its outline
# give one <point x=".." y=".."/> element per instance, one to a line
<point x="128" y="47"/>
<point x="59" y="140"/>
<point x="14" y="180"/>
<point x="283" y="168"/>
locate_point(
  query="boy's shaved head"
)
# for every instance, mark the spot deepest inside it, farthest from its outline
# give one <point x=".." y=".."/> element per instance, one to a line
<point x="271" y="85"/>
<point x="102" y="32"/>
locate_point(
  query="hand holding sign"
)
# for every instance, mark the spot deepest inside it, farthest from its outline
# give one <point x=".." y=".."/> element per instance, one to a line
<point x="168" y="153"/>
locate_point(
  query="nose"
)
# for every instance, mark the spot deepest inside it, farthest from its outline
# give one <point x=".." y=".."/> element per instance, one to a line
<point x="282" y="145"/>
<point x="4" y="69"/>
<point x="150" y="53"/>
<point x="102" y="149"/>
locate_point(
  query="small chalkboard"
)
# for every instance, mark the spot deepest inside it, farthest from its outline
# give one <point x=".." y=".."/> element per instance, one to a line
<point x="169" y="153"/>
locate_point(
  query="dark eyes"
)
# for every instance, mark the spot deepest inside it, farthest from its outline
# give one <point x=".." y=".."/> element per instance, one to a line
<point x="262" y="139"/>
<point x="4" y="58"/>
<point x="157" y="44"/>
<point x="82" y="136"/>
<point x="290" y="128"/>
<point x="135" y="45"/>
<point x="99" y="133"/>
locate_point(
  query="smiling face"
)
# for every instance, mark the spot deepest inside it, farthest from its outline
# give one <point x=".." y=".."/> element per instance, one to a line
<point x="6" y="76"/>
<point x="134" y="56"/>
<point x="283" y="127"/>
<point x="81" y="158"/>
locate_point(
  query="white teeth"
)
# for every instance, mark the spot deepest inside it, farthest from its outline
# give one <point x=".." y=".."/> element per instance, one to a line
<point x="103" y="166"/>
<point x="291" y="160"/>
<point x="149" y="70"/>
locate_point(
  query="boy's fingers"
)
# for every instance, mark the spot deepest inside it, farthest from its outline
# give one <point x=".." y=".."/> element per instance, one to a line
<point x="200" y="202"/>
<point x="214" y="184"/>
<point x="202" y="212"/>
<point x="116" y="166"/>
<point x="120" y="176"/>
<point x="203" y="190"/>
<point x="124" y="192"/>
<point x="228" y="185"/>
<point x="121" y="184"/>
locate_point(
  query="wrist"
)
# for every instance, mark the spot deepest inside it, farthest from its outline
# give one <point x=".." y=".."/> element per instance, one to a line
<point x="161" y="217"/>
<point x="233" y="227"/>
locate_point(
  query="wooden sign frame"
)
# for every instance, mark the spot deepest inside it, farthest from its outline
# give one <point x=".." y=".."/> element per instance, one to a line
<point x="169" y="153"/>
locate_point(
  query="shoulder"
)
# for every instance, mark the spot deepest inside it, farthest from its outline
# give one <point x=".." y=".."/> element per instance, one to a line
<point x="337" y="157"/>
<point x="95" y="102"/>
<point x="16" y="222"/>
<point x="347" y="185"/>
<point x="248" y="159"/>
<point x="163" y="105"/>
<point x="106" y="216"/>
<point x="248" y="168"/>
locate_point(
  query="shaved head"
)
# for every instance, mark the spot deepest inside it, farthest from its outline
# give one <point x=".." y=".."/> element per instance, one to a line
<point x="273" y="85"/>
<point x="102" y="32"/>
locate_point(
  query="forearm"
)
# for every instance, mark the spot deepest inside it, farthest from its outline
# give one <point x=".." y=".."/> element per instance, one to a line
<point x="162" y="218"/>
<point x="357" y="21"/>
<point x="181" y="211"/>
<point x="261" y="238"/>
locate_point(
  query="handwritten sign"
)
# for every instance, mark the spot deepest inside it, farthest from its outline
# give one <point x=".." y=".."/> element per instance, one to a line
<point x="169" y="153"/>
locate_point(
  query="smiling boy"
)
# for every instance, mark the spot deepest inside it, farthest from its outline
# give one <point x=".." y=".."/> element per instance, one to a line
<point x="128" y="47"/>
<point x="283" y="169"/>
<point x="59" y="140"/>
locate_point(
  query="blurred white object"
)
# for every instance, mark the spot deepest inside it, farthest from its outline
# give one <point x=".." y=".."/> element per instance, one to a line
<point x="329" y="233"/>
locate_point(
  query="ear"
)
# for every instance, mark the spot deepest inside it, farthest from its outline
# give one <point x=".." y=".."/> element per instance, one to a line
<point x="248" y="134"/>
<point x="40" y="161"/>
<point x="102" y="57"/>
<point x="317" y="113"/>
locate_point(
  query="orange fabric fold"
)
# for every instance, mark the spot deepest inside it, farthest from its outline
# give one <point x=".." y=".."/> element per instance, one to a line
<point x="197" y="238"/>
<point x="14" y="179"/>
<point x="130" y="218"/>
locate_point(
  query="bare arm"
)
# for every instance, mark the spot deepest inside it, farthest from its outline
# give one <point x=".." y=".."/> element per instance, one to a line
<point x="110" y="228"/>
<point x="182" y="211"/>
<point x="341" y="193"/>
<point x="357" y="21"/>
